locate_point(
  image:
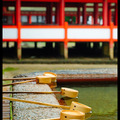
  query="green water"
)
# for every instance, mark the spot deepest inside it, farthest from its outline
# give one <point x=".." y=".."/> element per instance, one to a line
<point x="101" y="98"/>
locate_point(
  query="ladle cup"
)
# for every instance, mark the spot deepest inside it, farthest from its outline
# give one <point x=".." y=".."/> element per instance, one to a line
<point x="71" y="115"/>
<point x="52" y="75"/>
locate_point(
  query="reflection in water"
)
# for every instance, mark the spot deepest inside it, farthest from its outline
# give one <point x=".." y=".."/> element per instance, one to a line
<point x="88" y="115"/>
<point x="69" y="100"/>
<point x="53" y="85"/>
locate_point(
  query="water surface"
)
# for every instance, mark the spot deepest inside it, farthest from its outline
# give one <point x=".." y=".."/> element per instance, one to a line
<point x="102" y="98"/>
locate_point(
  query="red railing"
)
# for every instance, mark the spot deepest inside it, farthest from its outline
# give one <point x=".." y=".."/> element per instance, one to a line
<point x="65" y="27"/>
<point x="65" y="34"/>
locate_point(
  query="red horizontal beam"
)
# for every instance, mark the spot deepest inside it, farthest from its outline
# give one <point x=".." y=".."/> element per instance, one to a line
<point x="41" y="0"/>
<point x="42" y="40"/>
<point x="9" y="26"/>
<point x="59" y="40"/>
<point x="9" y="40"/>
<point x="41" y="26"/>
<point x="84" y="1"/>
<point x="44" y="14"/>
<point x="88" y="26"/>
<point x="88" y="40"/>
<point x="34" y="0"/>
<point x="115" y="40"/>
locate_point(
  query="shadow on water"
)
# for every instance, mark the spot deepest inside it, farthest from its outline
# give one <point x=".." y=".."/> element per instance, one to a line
<point x="89" y="84"/>
<point x="101" y="97"/>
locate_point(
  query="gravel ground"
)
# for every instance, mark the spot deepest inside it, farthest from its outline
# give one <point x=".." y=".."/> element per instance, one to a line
<point x="84" y="72"/>
<point x="27" y="111"/>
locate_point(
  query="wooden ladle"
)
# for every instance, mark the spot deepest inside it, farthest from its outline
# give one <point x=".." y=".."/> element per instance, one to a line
<point x="80" y="107"/>
<point x="64" y="91"/>
<point x="53" y="77"/>
<point x="38" y="80"/>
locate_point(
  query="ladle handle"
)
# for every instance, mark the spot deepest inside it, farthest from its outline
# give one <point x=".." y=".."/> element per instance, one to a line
<point x="15" y="92"/>
<point x="39" y="103"/>
<point x="26" y="78"/>
<point x="52" y="119"/>
<point x="20" y="82"/>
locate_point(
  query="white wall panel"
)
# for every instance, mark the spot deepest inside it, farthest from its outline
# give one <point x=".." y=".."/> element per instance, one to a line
<point x="42" y="33"/>
<point x="88" y="33"/>
<point x="115" y="35"/>
<point x="9" y="33"/>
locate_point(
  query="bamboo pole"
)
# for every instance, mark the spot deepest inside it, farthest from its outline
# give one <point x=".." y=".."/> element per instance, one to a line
<point x="38" y="103"/>
<point x="15" y="92"/>
<point x="11" y="79"/>
<point x="50" y="74"/>
<point x="20" y="82"/>
<point x="52" y="119"/>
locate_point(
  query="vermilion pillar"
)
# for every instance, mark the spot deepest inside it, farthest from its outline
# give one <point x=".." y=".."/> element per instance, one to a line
<point x="62" y="14"/>
<point x="57" y="13"/>
<point x="18" y="23"/>
<point x="116" y="14"/>
<point x="29" y="19"/>
<point x="49" y="21"/>
<point x="4" y="9"/>
<point x="92" y="20"/>
<point x="105" y="11"/>
<point x="95" y="13"/>
<point x="18" y="12"/>
<point x="49" y="13"/>
<point x="109" y="13"/>
<point x="78" y="15"/>
<point x="96" y="44"/>
<point x="84" y="14"/>
<point x="61" y="22"/>
<point x="13" y="19"/>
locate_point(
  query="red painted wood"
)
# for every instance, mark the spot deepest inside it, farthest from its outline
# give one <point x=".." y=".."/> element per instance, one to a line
<point x="9" y="40"/>
<point x="18" y="23"/>
<point x="84" y="14"/>
<point x="29" y="19"/>
<point x="105" y="10"/>
<point x="111" y="35"/>
<point x="62" y="13"/>
<point x="57" y="13"/>
<point x="78" y="15"/>
<point x="18" y="19"/>
<point x="95" y="13"/>
<point x="85" y="1"/>
<point x="4" y="9"/>
<point x="49" y="14"/>
<point x="18" y="12"/>
<point x="116" y="14"/>
<point x="109" y="13"/>
<point x="13" y="19"/>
